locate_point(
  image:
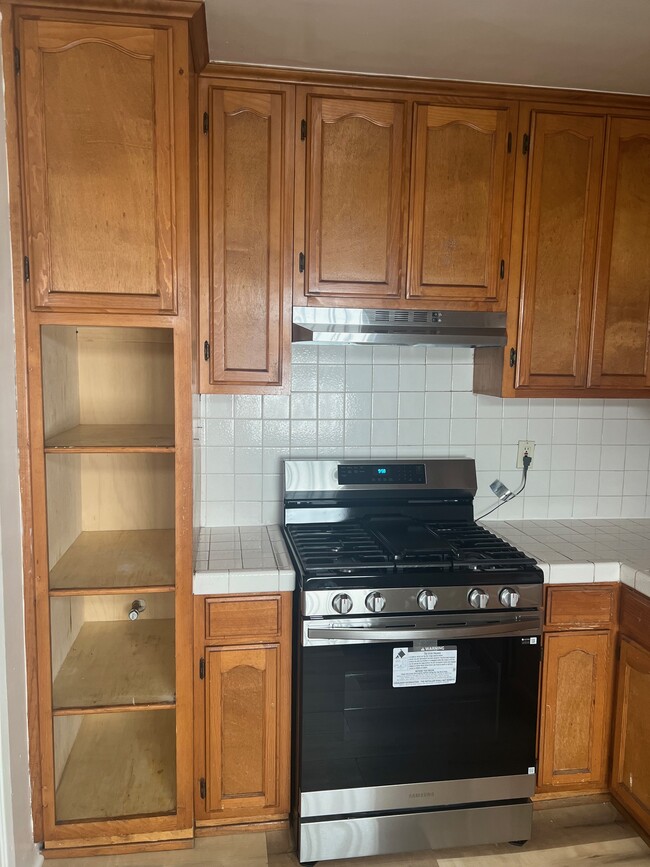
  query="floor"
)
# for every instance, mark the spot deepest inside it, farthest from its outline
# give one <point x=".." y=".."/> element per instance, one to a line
<point x="592" y="833"/>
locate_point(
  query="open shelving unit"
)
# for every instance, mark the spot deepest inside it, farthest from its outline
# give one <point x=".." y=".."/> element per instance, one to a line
<point x="109" y="461"/>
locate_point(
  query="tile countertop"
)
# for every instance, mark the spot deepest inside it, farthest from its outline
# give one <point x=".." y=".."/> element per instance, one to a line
<point x="581" y="552"/>
<point x="241" y="560"/>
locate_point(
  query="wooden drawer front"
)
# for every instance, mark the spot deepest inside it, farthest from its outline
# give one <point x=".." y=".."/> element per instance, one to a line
<point x="634" y="621"/>
<point x="581" y="606"/>
<point x="242" y="618"/>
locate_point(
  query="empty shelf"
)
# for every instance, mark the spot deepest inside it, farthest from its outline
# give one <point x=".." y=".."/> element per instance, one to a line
<point x="114" y="663"/>
<point x="113" y="437"/>
<point x="120" y="764"/>
<point x="116" y="559"/>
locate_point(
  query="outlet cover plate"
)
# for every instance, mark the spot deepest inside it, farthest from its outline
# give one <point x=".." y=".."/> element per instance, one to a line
<point x="525" y="446"/>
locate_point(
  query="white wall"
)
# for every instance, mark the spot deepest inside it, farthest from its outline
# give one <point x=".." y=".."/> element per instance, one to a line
<point x="17" y="848"/>
<point x="592" y="456"/>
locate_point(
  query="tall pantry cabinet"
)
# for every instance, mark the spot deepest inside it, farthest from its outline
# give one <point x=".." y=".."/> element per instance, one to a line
<point x="103" y="115"/>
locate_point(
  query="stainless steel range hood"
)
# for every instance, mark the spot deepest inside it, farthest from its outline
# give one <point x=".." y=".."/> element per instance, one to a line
<point x="337" y="325"/>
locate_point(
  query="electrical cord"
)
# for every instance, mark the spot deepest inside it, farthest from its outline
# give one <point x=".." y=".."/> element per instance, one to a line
<point x="527" y="460"/>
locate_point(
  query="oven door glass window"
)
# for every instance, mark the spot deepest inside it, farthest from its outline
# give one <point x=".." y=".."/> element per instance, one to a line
<point x="358" y="730"/>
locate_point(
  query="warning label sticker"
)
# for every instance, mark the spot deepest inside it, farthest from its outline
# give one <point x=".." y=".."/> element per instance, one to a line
<point x="431" y="666"/>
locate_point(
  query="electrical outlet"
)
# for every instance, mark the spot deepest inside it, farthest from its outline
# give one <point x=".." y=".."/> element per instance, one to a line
<point x="525" y="446"/>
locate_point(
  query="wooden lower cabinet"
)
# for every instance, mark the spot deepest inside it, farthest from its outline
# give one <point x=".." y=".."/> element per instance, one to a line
<point x="243" y="709"/>
<point x="631" y="750"/>
<point x="576" y="690"/>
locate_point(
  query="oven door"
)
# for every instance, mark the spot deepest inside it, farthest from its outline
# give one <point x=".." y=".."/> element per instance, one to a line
<point x="411" y="713"/>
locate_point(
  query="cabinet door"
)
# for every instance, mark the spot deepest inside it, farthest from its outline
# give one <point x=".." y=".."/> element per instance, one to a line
<point x="246" y="217"/>
<point x="559" y="254"/>
<point x="631" y="762"/>
<point x="354" y="199"/>
<point x="574" y="733"/>
<point x="242" y="731"/>
<point x="621" y="347"/>
<point x="97" y="109"/>
<point x="460" y="216"/>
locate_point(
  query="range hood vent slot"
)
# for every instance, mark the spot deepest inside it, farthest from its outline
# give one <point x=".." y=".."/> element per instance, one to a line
<point x="401" y="327"/>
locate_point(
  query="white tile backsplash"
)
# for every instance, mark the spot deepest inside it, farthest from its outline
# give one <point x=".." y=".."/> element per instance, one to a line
<point x="592" y="457"/>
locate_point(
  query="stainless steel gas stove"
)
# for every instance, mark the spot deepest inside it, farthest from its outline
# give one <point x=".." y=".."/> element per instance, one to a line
<point x="416" y="664"/>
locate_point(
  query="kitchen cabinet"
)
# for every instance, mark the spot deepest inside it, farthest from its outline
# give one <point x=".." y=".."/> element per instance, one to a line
<point x="620" y="348"/>
<point x="576" y="688"/>
<point x="351" y="197"/>
<point x="243" y="708"/>
<point x="111" y="488"/>
<point x="246" y="219"/>
<point x="578" y="324"/>
<point x="631" y="749"/>
<point x="461" y="203"/>
<point x="366" y="201"/>
<point x="104" y="102"/>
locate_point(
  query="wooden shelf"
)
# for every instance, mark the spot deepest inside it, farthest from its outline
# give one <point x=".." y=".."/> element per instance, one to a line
<point x="120" y="764"/>
<point x="116" y="560"/>
<point x="113" y="438"/>
<point x="113" y="663"/>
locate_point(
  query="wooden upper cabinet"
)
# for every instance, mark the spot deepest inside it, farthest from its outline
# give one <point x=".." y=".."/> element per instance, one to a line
<point x="559" y="250"/>
<point x="620" y="350"/>
<point x="350" y="212"/>
<point x="97" y="117"/>
<point x="246" y="214"/>
<point x="461" y="203"/>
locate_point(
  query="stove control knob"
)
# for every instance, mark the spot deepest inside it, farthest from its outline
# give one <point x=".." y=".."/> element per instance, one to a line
<point x="342" y="603"/>
<point x="509" y="598"/>
<point x="427" y="600"/>
<point x="478" y="598"/>
<point x="375" y="602"/>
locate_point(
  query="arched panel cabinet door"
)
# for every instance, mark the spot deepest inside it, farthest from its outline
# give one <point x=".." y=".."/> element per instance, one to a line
<point x="350" y="212"/>
<point x="246" y="217"/>
<point x="559" y="249"/>
<point x="104" y="107"/>
<point x="461" y="203"/>
<point x="620" y="353"/>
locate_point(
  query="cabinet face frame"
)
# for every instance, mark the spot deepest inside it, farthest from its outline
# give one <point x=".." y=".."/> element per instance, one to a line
<point x="274" y="102"/>
<point x="170" y="70"/>
<point x="374" y="108"/>
<point x="103" y="832"/>
<point x="498" y="120"/>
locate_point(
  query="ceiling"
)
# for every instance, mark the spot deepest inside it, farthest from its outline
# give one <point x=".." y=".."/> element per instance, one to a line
<point x="586" y="44"/>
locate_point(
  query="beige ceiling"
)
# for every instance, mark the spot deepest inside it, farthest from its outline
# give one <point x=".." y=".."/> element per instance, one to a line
<point x="591" y="44"/>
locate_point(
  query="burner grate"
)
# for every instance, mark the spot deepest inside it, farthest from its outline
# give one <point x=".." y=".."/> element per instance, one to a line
<point x="345" y="546"/>
<point x="478" y="549"/>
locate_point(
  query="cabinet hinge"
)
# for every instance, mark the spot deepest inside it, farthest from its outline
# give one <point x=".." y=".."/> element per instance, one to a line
<point x="206" y="351"/>
<point x="202" y="668"/>
<point x="17" y="60"/>
<point x="206" y="123"/>
<point x="502" y="269"/>
<point x="301" y="262"/>
<point x="509" y="142"/>
<point x="513" y="357"/>
<point x="26" y="269"/>
<point x="202" y="788"/>
<point x="525" y="143"/>
<point x="303" y="130"/>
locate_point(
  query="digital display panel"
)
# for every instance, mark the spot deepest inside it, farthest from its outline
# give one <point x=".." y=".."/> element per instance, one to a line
<point x="382" y="474"/>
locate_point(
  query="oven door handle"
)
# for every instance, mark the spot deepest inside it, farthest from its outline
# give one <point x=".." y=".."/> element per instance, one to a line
<point x="530" y="626"/>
